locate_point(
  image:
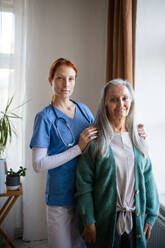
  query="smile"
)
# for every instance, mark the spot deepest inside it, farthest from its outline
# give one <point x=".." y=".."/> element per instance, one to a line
<point x="121" y="110"/>
<point x="65" y="91"/>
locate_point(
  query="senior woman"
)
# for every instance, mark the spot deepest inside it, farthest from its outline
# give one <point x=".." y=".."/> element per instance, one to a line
<point x="116" y="191"/>
<point x="61" y="133"/>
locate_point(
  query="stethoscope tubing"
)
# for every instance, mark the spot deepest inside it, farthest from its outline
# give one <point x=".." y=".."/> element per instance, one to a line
<point x="67" y="125"/>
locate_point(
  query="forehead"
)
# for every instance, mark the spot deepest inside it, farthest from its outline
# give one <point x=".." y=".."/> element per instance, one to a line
<point x="65" y="69"/>
<point x="118" y="91"/>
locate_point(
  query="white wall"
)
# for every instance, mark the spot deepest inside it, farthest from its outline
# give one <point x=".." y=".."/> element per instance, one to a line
<point x="150" y="80"/>
<point x="74" y="29"/>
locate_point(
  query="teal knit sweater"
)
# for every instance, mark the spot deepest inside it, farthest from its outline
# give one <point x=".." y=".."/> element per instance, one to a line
<point x="97" y="195"/>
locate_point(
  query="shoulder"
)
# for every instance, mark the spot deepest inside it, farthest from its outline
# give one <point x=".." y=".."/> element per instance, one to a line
<point x="85" y="110"/>
<point x="140" y="156"/>
<point x="143" y="162"/>
<point x="90" y="150"/>
<point x="41" y="128"/>
<point x="46" y="114"/>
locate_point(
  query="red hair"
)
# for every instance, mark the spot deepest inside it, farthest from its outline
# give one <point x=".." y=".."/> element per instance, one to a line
<point x="57" y="63"/>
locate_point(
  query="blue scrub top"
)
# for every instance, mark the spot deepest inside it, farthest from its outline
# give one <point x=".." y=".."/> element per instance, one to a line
<point x="60" y="186"/>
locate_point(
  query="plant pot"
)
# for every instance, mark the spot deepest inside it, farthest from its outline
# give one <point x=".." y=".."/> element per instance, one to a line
<point x="12" y="182"/>
<point x="2" y="175"/>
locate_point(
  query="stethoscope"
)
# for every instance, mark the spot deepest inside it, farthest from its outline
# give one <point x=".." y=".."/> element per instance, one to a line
<point x="62" y="120"/>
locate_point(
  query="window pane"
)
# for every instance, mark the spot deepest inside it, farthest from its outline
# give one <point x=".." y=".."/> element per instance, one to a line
<point x="5" y="74"/>
<point x="149" y="83"/>
<point x="7" y="32"/>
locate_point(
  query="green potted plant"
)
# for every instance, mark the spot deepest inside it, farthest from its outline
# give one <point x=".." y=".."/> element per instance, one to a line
<point x="13" y="178"/>
<point x="6" y="132"/>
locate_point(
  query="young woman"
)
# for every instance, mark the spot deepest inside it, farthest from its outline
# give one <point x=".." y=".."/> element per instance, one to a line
<point x="61" y="133"/>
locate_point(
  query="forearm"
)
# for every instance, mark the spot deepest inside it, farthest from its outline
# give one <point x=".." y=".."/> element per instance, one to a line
<point x="152" y="202"/>
<point x="87" y="209"/>
<point x="84" y="184"/>
<point x="152" y="198"/>
<point x="42" y="162"/>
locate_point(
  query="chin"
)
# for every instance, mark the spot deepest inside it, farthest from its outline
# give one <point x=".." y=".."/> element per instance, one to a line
<point x="120" y="116"/>
<point x="65" y="93"/>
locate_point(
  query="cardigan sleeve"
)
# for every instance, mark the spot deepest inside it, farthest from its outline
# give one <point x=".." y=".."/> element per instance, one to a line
<point x="152" y="199"/>
<point x="84" y="185"/>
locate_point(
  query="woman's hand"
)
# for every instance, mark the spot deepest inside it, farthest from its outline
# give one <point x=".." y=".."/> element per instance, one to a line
<point x="89" y="234"/>
<point x="141" y="131"/>
<point x="87" y="136"/>
<point x="147" y="231"/>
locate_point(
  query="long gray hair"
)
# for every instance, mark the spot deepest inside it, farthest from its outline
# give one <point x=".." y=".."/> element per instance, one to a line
<point x="105" y="130"/>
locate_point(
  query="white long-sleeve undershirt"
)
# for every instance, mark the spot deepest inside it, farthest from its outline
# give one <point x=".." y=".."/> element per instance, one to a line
<point x="42" y="162"/>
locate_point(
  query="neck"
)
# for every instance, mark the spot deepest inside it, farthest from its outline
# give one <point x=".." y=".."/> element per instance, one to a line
<point x="119" y="126"/>
<point x="58" y="102"/>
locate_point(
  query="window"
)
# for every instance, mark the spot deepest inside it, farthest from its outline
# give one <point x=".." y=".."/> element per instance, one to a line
<point x="149" y="83"/>
<point x="12" y="68"/>
<point x="7" y="33"/>
<point x="7" y="51"/>
<point x="12" y="83"/>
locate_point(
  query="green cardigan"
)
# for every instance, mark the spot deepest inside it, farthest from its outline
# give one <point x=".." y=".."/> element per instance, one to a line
<point x="97" y="195"/>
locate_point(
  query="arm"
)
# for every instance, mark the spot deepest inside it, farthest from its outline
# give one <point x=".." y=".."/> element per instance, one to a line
<point x="152" y="199"/>
<point x="84" y="183"/>
<point x="41" y="161"/>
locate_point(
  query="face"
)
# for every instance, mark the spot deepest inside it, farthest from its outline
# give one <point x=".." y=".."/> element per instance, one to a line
<point x="63" y="82"/>
<point x="118" y="102"/>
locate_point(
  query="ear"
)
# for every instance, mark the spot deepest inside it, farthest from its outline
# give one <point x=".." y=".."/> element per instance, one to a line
<point x="50" y="81"/>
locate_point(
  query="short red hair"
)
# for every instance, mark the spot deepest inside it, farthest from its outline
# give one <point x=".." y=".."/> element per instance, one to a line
<point x="57" y="63"/>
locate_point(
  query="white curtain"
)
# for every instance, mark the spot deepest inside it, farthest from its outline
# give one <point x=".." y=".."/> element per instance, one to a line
<point x="149" y="82"/>
<point x="12" y="83"/>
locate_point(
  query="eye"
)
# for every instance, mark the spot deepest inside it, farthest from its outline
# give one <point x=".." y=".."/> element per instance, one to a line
<point x="114" y="99"/>
<point x="71" y="79"/>
<point x="60" y="78"/>
<point x="126" y="98"/>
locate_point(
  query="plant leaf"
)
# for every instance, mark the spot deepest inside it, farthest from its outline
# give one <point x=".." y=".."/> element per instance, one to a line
<point x="21" y="105"/>
<point x="9" y="128"/>
<point x="9" y="102"/>
<point x="13" y="115"/>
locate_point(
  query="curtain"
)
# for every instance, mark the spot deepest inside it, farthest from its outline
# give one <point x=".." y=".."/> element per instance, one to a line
<point x="12" y="83"/>
<point x="121" y="39"/>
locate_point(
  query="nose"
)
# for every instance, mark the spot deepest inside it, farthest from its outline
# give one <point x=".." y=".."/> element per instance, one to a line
<point x="121" y="103"/>
<point x="66" y="82"/>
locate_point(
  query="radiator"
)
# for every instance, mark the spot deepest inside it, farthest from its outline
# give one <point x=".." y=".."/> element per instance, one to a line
<point x="157" y="239"/>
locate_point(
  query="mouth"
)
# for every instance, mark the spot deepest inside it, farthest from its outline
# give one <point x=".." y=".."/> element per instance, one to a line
<point x="65" y="91"/>
<point x="121" y="111"/>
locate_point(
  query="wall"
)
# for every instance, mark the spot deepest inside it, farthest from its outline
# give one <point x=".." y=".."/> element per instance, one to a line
<point x="76" y="30"/>
<point x="150" y="76"/>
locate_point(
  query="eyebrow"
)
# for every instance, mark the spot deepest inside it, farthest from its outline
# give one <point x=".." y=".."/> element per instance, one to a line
<point x="59" y="74"/>
<point x="119" y="96"/>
